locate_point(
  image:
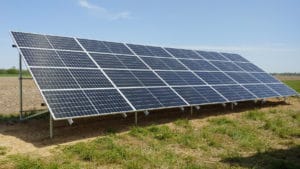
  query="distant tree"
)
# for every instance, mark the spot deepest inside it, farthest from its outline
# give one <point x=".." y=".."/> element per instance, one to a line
<point x="12" y="70"/>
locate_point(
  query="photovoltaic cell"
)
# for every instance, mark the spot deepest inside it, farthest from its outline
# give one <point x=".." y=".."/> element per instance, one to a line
<point x="214" y="78"/>
<point x="183" y="53"/>
<point x="131" y="62"/>
<point x="117" y="48"/>
<point x="49" y="78"/>
<point x="211" y="55"/>
<point x="107" y="60"/>
<point x="209" y="94"/>
<point x="38" y="57"/>
<point x="265" y="78"/>
<point x="249" y="67"/>
<point x="261" y="91"/>
<point x="234" y="93"/>
<point x="171" y="78"/>
<point x="282" y="89"/>
<point x="65" y="43"/>
<point x="69" y="103"/>
<point x="140" y="50"/>
<point x="197" y="65"/>
<point x="141" y="98"/>
<point x="191" y="95"/>
<point x="156" y="63"/>
<point x="31" y="40"/>
<point x="90" y="78"/>
<point x="94" y="45"/>
<point x="123" y="78"/>
<point x="235" y="57"/>
<point x="226" y="66"/>
<point x="148" y="78"/>
<point x="242" y="77"/>
<point x="76" y="59"/>
<point x="158" y="51"/>
<point x="108" y="101"/>
<point x="166" y="97"/>
<point x="173" y="64"/>
<point x="190" y="78"/>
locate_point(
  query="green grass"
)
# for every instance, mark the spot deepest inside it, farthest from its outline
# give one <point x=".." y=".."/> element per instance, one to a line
<point x="13" y="72"/>
<point x="295" y="84"/>
<point x="252" y="139"/>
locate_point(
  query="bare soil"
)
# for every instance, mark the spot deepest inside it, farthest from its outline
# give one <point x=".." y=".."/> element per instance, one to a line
<point x="9" y="95"/>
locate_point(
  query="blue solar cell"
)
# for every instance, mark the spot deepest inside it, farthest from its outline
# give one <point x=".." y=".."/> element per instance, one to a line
<point x="282" y="89"/>
<point x="209" y="94"/>
<point x="214" y="78"/>
<point x="31" y="40"/>
<point x="190" y="78"/>
<point x="171" y="78"/>
<point x="234" y="93"/>
<point x="90" y="78"/>
<point x="191" y="95"/>
<point x="49" y="78"/>
<point x="141" y="98"/>
<point x="148" y="78"/>
<point x="198" y="65"/>
<point x="249" y="67"/>
<point x="66" y="43"/>
<point x="119" y="48"/>
<point x="72" y="103"/>
<point x="107" y="61"/>
<point x="131" y="62"/>
<point x="242" y="78"/>
<point x="155" y="63"/>
<point x="173" y="64"/>
<point x="140" y="50"/>
<point x="166" y="97"/>
<point x="76" y="59"/>
<point x="265" y="78"/>
<point x="123" y="78"/>
<point x="234" y="57"/>
<point x="158" y="51"/>
<point x="226" y="66"/>
<point x="108" y="101"/>
<point x="261" y="91"/>
<point x="183" y="53"/>
<point x="94" y="45"/>
<point x="37" y="57"/>
<point x="211" y="55"/>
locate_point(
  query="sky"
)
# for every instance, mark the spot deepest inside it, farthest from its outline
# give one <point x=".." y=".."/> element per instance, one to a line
<point x="266" y="32"/>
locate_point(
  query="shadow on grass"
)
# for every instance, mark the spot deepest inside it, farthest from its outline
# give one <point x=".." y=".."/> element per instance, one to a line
<point x="276" y="159"/>
<point x="36" y="131"/>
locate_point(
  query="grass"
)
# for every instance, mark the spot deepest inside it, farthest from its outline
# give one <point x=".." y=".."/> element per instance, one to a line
<point x="252" y="139"/>
<point x="295" y="84"/>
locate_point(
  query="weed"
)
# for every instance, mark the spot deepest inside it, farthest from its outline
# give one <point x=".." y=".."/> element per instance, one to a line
<point x="255" y="115"/>
<point x="3" y="150"/>
<point x="185" y="123"/>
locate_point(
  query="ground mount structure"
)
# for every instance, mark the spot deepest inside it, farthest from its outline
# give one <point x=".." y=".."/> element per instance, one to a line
<point x="82" y="77"/>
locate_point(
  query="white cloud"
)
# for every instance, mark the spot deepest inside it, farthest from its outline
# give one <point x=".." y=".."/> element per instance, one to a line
<point x="102" y="12"/>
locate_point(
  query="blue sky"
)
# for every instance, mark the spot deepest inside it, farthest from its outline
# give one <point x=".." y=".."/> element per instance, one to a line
<point x="266" y="32"/>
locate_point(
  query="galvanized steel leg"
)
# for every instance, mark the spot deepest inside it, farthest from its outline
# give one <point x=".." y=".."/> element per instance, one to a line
<point x="135" y="118"/>
<point x="51" y="125"/>
<point x="191" y="110"/>
<point x="20" y="87"/>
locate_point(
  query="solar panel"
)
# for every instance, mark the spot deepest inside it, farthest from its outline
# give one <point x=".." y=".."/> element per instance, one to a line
<point x="82" y="77"/>
<point x="235" y="93"/>
<point x="40" y="57"/>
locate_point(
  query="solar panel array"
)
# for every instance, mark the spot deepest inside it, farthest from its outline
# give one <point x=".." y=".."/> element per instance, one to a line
<point x="82" y="77"/>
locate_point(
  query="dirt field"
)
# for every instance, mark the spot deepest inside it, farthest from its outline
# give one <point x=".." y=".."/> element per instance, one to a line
<point x="9" y="95"/>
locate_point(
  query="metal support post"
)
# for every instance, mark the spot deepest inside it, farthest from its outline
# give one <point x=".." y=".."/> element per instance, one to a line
<point x="20" y="87"/>
<point x="51" y="125"/>
<point x="191" y="110"/>
<point x="232" y="106"/>
<point x="135" y="118"/>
